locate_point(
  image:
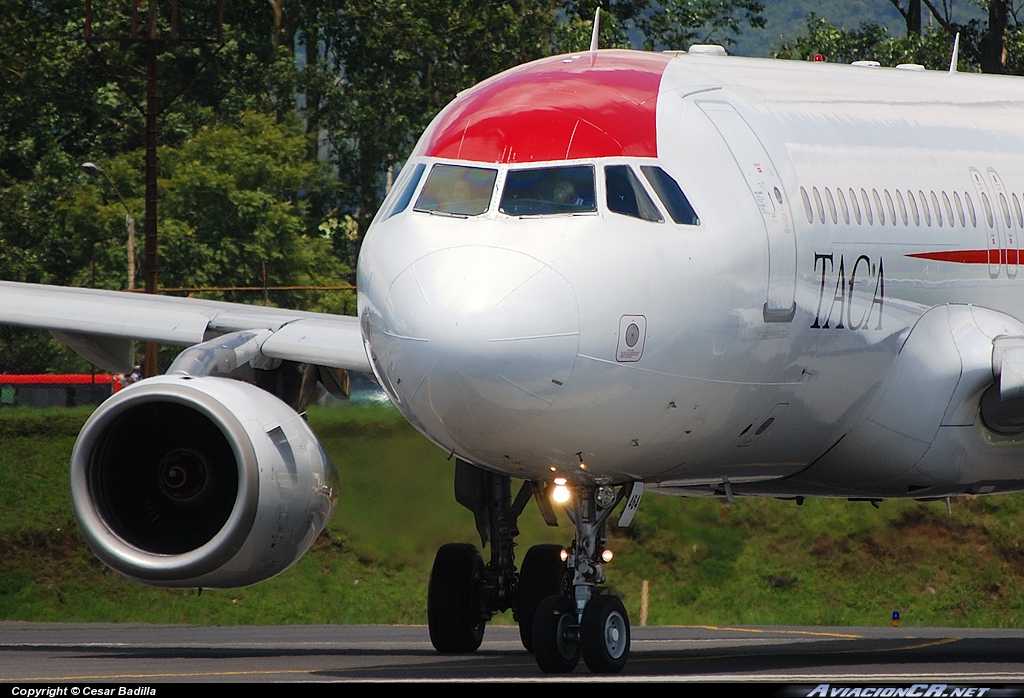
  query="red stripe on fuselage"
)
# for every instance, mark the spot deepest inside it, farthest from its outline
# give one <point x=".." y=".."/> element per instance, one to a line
<point x="587" y="105"/>
<point x="971" y="256"/>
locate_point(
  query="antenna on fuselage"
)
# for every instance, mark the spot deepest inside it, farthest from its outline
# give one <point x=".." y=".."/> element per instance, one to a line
<point x="956" y="54"/>
<point x="597" y="30"/>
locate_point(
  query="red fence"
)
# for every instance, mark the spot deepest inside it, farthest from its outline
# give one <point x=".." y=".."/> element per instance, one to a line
<point x="57" y="389"/>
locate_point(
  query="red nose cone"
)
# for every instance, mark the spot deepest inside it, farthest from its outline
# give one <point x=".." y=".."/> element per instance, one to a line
<point x="585" y="105"/>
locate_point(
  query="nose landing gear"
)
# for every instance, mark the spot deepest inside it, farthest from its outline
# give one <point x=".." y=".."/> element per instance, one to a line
<point x="604" y="632"/>
<point x="586" y="623"/>
<point x="555" y="597"/>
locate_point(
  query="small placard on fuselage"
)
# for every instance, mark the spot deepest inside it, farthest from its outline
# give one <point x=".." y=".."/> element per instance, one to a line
<point x="632" y="334"/>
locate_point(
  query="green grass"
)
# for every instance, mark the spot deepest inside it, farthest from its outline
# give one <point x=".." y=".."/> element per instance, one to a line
<point x="827" y="562"/>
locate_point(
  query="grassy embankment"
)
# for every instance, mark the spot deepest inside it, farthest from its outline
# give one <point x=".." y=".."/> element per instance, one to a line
<point x="708" y="562"/>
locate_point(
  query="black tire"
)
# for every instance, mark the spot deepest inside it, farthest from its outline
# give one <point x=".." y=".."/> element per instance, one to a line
<point x="541" y="575"/>
<point x="453" y="615"/>
<point x="604" y="635"/>
<point x="556" y="644"/>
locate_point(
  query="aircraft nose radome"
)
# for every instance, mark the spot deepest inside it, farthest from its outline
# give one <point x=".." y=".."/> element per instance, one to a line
<point x="480" y="339"/>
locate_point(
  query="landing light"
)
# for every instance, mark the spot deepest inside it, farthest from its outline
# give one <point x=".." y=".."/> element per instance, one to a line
<point x="561" y="493"/>
<point x="607" y="555"/>
<point x="563" y="555"/>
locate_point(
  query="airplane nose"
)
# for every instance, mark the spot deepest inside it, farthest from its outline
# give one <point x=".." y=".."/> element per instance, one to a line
<point x="477" y="339"/>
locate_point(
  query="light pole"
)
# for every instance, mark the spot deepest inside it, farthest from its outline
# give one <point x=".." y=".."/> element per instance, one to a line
<point x="93" y="169"/>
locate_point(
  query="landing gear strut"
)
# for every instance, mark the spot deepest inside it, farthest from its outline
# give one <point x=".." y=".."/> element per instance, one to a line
<point x="555" y="598"/>
<point x="585" y="622"/>
<point x="464" y="593"/>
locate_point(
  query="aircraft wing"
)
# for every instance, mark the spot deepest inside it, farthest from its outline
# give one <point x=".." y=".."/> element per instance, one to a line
<point x="101" y="324"/>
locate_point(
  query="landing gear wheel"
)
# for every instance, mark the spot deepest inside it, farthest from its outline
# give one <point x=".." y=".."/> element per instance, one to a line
<point x="604" y="635"/>
<point x="453" y="615"/>
<point x="542" y="575"/>
<point x="556" y="644"/>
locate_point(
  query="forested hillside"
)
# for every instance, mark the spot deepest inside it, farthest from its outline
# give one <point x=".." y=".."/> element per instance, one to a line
<point x="786" y="19"/>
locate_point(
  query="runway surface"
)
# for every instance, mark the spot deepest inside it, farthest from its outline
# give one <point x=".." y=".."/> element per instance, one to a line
<point x="141" y="654"/>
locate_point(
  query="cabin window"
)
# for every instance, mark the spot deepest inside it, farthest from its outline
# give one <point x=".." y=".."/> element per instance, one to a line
<point x="970" y="209"/>
<point x="1016" y="209"/>
<point x="938" y="209"/>
<point x="888" y="203"/>
<point x="817" y="204"/>
<point x="878" y="205"/>
<point x="915" y="212"/>
<point x="831" y="205"/>
<point x="949" y="210"/>
<point x="1006" y="210"/>
<point x="854" y="205"/>
<point x="408" y="190"/>
<point x="549" y="190"/>
<point x="625" y="195"/>
<point x="842" y="205"/>
<point x="667" y="189"/>
<point x="457" y="190"/>
<point x="959" y="210"/>
<point x="903" y="207"/>
<point x="867" y="207"/>
<point x="924" y="208"/>
<point x="988" y="210"/>
<point x="807" y="205"/>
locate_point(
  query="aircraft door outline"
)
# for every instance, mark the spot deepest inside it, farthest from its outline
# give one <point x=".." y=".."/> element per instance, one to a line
<point x="768" y="192"/>
<point x="1004" y="220"/>
<point x="990" y="222"/>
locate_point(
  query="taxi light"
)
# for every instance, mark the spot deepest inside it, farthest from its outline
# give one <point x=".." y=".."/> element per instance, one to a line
<point x="607" y="555"/>
<point x="563" y="555"/>
<point x="561" y="493"/>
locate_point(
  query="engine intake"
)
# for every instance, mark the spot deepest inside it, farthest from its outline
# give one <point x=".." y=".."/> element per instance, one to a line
<point x="200" y="482"/>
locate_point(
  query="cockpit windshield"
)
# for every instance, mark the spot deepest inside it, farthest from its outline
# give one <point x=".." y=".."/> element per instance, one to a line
<point x="671" y="195"/>
<point x="549" y="190"/>
<point x="457" y="190"/>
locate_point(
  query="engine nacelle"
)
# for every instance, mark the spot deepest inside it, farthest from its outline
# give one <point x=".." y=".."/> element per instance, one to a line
<point x="200" y="482"/>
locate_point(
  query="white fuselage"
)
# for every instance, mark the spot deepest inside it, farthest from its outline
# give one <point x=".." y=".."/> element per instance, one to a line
<point x="742" y="349"/>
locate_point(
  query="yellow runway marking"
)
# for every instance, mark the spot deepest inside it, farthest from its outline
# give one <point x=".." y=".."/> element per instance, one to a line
<point x="704" y="658"/>
<point x="779" y="632"/>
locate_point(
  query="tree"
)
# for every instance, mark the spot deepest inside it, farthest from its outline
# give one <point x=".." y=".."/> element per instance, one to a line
<point x="364" y="78"/>
<point x="233" y="207"/>
<point x="983" y="47"/>
<point x="868" y="42"/>
<point x="911" y="11"/>
<point x="680" y="23"/>
<point x="986" y="45"/>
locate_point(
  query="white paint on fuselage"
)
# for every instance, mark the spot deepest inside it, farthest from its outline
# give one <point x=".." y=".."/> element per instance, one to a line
<point x="713" y="372"/>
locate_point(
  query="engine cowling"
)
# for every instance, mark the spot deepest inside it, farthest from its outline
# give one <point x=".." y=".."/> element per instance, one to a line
<point x="180" y="481"/>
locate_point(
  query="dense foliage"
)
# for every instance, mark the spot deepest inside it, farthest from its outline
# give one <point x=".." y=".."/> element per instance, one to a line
<point x="278" y="142"/>
<point x="991" y="36"/>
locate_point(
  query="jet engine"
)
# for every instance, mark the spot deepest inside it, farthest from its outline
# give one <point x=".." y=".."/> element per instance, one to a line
<point x="181" y="481"/>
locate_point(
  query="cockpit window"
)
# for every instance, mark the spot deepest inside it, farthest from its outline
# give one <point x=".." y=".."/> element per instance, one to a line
<point x="627" y="196"/>
<point x="671" y="195"/>
<point x="549" y="190"/>
<point x="457" y="189"/>
<point x="410" y="187"/>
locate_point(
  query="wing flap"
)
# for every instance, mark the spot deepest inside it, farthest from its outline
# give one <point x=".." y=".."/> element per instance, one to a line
<point x="113" y="354"/>
<point x="337" y="343"/>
